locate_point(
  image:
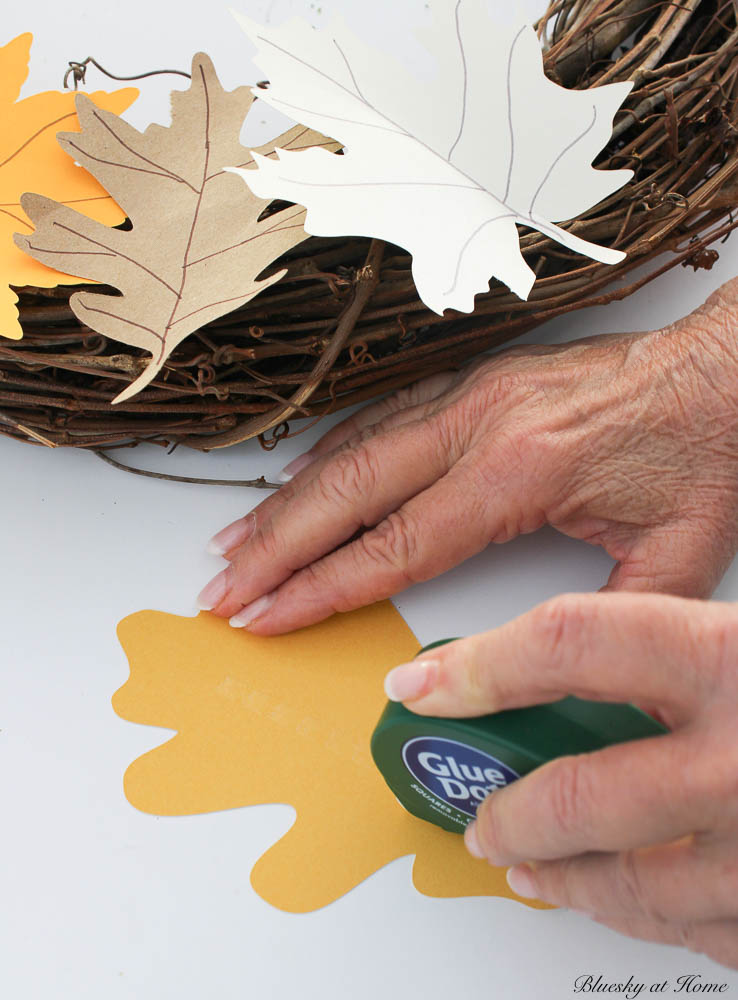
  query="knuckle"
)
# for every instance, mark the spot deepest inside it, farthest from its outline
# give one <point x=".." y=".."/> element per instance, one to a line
<point x="403" y="399"/>
<point x="482" y="685"/>
<point x="450" y="434"/>
<point x="632" y="892"/>
<point x="349" y="427"/>
<point x="392" y="545"/>
<point x="349" y="475"/>
<point x="500" y="386"/>
<point x="571" y="798"/>
<point x="484" y="391"/>
<point x="569" y="882"/>
<point x="559" y="626"/>
<point x="266" y="543"/>
<point x="286" y="493"/>
<point x="317" y="586"/>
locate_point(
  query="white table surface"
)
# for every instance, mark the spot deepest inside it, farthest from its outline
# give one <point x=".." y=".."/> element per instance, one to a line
<point x="100" y="901"/>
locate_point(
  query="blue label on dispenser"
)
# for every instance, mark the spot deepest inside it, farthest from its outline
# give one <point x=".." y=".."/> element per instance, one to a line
<point x="459" y="775"/>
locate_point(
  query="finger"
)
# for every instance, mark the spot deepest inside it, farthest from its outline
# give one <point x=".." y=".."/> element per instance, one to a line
<point x="355" y="489"/>
<point x="616" y="799"/>
<point x="605" y="647"/>
<point x="403" y="407"/>
<point x="681" y="559"/>
<point x="414" y="543"/>
<point x="672" y="883"/>
<point x="398" y="407"/>
<point x="717" y="939"/>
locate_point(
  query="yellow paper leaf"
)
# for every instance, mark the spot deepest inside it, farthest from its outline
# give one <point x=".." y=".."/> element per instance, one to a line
<point x="288" y="720"/>
<point x="30" y="159"/>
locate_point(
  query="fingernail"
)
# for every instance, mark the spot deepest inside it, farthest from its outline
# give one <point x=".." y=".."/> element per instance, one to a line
<point x="521" y="881"/>
<point x="471" y="839"/>
<point x="253" y="611"/>
<point x="235" y="534"/>
<point x="215" y="591"/>
<point x="410" y="681"/>
<point x="297" y="465"/>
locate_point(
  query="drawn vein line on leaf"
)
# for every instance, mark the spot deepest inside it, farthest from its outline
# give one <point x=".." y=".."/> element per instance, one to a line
<point x="307" y="65"/>
<point x="470" y="240"/>
<point x="350" y="69"/>
<point x="462" y="50"/>
<point x="210" y="305"/>
<point x="112" y="315"/>
<point x="540" y="225"/>
<point x="361" y="184"/>
<point x="128" y="166"/>
<point x="338" y="118"/>
<point x="561" y="155"/>
<point x="67" y="201"/>
<point x="115" y="253"/>
<point x="140" y="156"/>
<point x="16" y="218"/>
<point x="510" y="121"/>
<point x="397" y="128"/>
<point x="276" y="228"/>
<point x="82" y="201"/>
<point x="44" y="128"/>
<point x="206" y="163"/>
<point x="77" y="253"/>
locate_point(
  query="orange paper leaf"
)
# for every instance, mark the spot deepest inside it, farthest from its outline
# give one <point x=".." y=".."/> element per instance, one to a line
<point x="286" y="719"/>
<point x="30" y="158"/>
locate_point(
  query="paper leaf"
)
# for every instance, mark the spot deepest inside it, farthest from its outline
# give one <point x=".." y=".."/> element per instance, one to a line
<point x="196" y="246"/>
<point x="445" y="168"/>
<point x="30" y="156"/>
<point x="286" y="719"/>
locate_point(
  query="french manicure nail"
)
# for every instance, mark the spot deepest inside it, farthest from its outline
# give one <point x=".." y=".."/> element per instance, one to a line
<point x="235" y="534"/>
<point x="297" y="465"/>
<point x="522" y="882"/>
<point x="410" y="681"/>
<point x="246" y="616"/>
<point x="471" y="839"/>
<point x="215" y="591"/>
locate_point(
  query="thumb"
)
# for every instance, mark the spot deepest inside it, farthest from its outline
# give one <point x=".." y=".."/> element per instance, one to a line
<point x="681" y="559"/>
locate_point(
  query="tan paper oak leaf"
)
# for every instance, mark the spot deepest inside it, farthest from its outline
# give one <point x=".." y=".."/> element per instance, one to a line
<point x="197" y="244"/>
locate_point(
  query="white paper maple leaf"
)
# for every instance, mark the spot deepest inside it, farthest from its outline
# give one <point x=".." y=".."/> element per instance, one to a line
<point x="444" y="168"/>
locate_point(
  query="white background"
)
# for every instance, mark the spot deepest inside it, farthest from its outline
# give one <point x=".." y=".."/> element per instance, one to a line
<point x="100" y="901"/>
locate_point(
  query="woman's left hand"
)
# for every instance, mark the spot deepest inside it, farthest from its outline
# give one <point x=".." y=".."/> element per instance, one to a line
<point x="641" y="836"/>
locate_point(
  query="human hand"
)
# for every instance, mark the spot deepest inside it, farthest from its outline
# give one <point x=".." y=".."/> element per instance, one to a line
<point x="628" y="441"/>
<point x="641" y="836"/>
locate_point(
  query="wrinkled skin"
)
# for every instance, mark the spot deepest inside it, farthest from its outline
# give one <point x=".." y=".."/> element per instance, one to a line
<point x="643" y="836"/>
<point x="625" y="441"/>
<point x="629" y="442"/>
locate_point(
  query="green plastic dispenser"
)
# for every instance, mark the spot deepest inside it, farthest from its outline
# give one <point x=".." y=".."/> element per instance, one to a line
<point x="441" y="769"/>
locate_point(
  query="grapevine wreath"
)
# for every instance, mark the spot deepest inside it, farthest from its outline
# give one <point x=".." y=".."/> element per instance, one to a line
<point x="344" y="321"/>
